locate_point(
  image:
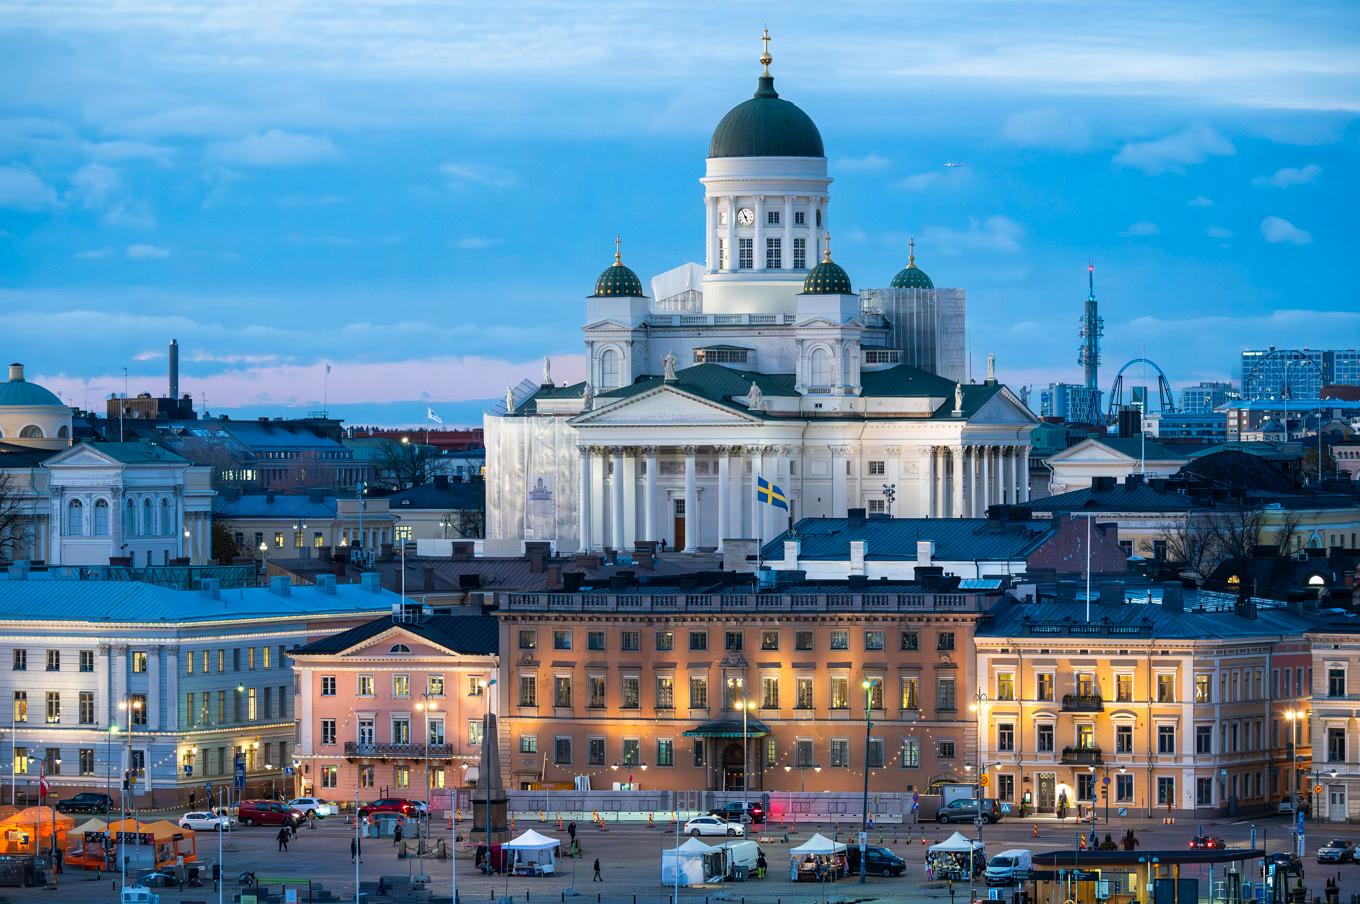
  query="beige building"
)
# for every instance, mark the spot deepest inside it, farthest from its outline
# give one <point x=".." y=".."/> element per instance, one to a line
<point x="1336" y="724"/>
<point x="1183" y="703"/>
<point x="294" y="525"/>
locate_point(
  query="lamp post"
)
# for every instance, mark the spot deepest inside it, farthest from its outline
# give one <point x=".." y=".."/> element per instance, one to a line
<point x="1293" y="716"/>
<point x="299" y="541"/>
<point x="360" y="489"/>
<point x="979" y="706"/>
<point x="1318" y="773"/>
<point x="868" y="685"/>
<point x="746" y="706"/>
<point x="889" y="494"/>
<point x="428" y="704"/>
<point x="128" y="704"/>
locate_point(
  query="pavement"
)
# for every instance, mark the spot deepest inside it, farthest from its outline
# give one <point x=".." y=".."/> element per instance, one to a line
<point x="629" y="855"/>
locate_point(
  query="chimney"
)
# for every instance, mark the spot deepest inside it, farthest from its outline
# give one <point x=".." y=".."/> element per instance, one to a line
<point x="537" y="553"/>
<point x="279" y="585"/>
<point x="855" y="517"/>
<point x="859" y="550"/>
<point x="371" y="581"/>
<point x="210" y="588"/>
<point x="1173" y="597"/>
<point x="16" y="373"/>
<point x="925" y="553"/>
<point x="174" y="368"/>
<point x="326" y="584"/>
<point x="554" y="580"/>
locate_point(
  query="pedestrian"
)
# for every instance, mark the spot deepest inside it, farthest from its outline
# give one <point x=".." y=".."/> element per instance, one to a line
<point x="353" y="849"/>
<point x="396" y="834"/>
<point x="761" y="864"/>
<point x="571" y="831"/>
<point x="193" y="798"/>
<point x="282" y="838"/>
<point x="597" y="877"/>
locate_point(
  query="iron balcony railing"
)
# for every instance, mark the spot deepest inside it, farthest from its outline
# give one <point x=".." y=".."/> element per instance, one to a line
<point x="398" y="751"/>
<point x="1083" y="703"/>
<point x="1081" y="756"/>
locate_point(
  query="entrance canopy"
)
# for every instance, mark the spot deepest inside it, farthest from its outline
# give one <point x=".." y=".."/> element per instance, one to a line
<point x="956" y="844"/>
<point x="729" y="728"/>
<point x="818" y="845"/>
<point x="531" y="841"/>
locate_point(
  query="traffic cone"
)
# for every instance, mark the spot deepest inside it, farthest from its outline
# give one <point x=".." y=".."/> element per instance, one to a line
<point x="1034" y="830"/>
<point x="649" y="821"/>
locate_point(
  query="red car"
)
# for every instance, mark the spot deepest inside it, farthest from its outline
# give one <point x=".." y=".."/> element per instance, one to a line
<point x="268" y="813"/>
<point x="1207" y="843"/>
<point x="390" y="805"/>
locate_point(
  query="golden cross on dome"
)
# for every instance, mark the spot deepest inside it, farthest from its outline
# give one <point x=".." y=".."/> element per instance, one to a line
<point x="826" y="254"/>
<point x="765" y="58"/>
<point x="911" y="251"/>
<point x="618" y="255"/>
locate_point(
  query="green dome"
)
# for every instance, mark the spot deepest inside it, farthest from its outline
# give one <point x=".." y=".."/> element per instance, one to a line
<point x="912" y="276"/>
<point x="828" y="278"/>
<point x="766" y="126"/>
<point x="618" y="281"/>
<point x="18" y="391"/>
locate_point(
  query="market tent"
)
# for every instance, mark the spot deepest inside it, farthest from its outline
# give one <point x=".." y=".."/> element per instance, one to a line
<point x="957" y="843"/>
<point x="684" y="865"/>
<point x="31" y="829"/>
<point x="818" y="845"/>
<point x="533" y="849"/>
<point x="86" y="844"/>
<point x="152" y="844"/>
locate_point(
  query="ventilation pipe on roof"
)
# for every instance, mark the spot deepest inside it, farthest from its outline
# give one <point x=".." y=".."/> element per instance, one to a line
<point x="210" y="588"/>
<point x="371" y="581"/>
<point x="326" y="584"/>
<point x="280" y="585"/>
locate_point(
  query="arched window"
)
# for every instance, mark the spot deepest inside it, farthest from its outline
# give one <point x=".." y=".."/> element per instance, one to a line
<point x="63" y="432"/>
<point x="75" y="518"/>
<point x="130" y="519"/>
<point x="32" y="431"/>
<point x="101" y="517"/>
<point x="165" y="518"/>
<point x="400" y="649"/>
<point x="148" y="518"/>
<point x="611" y="367"/>
<point x="819" y="368"/>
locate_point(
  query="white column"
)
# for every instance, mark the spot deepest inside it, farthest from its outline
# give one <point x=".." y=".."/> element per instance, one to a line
<point x="1008" y="475"/>
<point x="785" y="481"/>
<point x="760" y="233"/>
<point x="839" y="504"/>
<point x="102" y="705"/>
<point x="787" y="262"/>
<point x="757" y="507"/>
<point x="1024" y="474"/>
<point x="153" y="688"/>
<point x="616" y="498"/>
<point x="584" y="497"/>
<point x="927" y="486"/>
<point x="985" y="497"/>
<point x="691" y="502"/>
<point x="599" y="503"/>
<point x="724" y="496"/>
<point x="956" y="509"/>
<point x="649" y="496"/>
<point x="731" y="240"/>
<point x="630" y="498"/>
<point x="711" y="236"/>
<point x="736" y="521"/>
<point x="942" y="488"/>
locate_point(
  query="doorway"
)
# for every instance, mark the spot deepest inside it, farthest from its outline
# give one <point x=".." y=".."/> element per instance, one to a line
<point x="1336" y="803"/>
<point x="1046" y="800"/>
<point x="734" y="768"/>
<point x="679" y="526"/>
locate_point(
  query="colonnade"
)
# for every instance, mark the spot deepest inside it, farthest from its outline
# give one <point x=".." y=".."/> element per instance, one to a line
<point x="963" y="481"/>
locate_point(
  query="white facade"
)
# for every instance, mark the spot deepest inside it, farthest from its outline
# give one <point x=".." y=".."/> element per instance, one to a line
<point x="691" y="399"/>
<point x="1074" y="468"/>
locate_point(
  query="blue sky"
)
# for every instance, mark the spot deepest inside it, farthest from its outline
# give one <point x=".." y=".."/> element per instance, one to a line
<point x="422" y="193"/>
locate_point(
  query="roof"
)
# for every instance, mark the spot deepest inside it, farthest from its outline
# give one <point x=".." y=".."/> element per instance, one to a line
<point x="474" y="635"/>
<point x="1268" y="451"/>
<point x="1140" y="497"/>
<point x="453" y="496"/>
<point x="274" y="505"/>
<point x="1012" y="618"/>
<point x="827" y="278"/>
<point x="713" y="382"/>
<point x="14" y="456"/>
<point x="1138" y="447"/>
<point x="21" y="392"/>
<point x="729" y="728"/>
<point x="138" y="453"/>
<point x="64" y="599"/>
<point x="766" y="126"/>
<point x="955" y="539"/>
<point x="618" y="281"/>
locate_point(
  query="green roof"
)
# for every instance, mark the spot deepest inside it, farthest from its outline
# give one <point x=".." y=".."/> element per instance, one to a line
<point x="713" y="382"/>
<point x="138" y="453"/>
<point x="827" y="278"/>
<point x="618" y="281"/>
<point x="912" y="277"/>
<point x="22" y="392"/>
<point x="766" y="126"/>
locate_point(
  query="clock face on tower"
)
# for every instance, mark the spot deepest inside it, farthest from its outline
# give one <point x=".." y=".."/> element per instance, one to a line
<point x="746" y="216"/>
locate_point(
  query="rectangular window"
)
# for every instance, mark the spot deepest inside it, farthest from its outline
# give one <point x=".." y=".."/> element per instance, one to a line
<point x="944" y="694"/>
<point x="528" y="743"/>
<point x="594" y="640"/>
<point x="528" y="690"/>
<point x="528" y="640"/>
<point x="772" y="217"/>
<point x="840" y="640"/>
<point x="665" y="641"/>
<point x="802" y="753"/>
<point x="944" y="749"/>
<point x="1123" y="787"/>
<point x="1086" y="786"/>
<point x="328" y="685"/>
<point x="875" y="753"/>
<point x="911" y="753"/>
<point x="221" y="707"/>
<point x="401" y="685"/>
<point x="561" y="640"/>
<point x="1204" y="739"/>
<point x="771" y="752"/>
<point x="799" y="251"/>
<point x="769" y="693"/>
<point x="769" y="640"/>
<point x="945" y="641"/>
<point x="401" y="776"/>
<point x="327" y="731"/>
<point x="632" y="751"/>
<point x="873" y="640"/>
<point x="698" y="641"/>
<point x="840" y="693"/>
<point x="1005" y="686"/>
<point x="138" y="702"/>
<point x="476" y="732"/>
<point x="1203" y="689"/>
<point x="21" y="706"/>
<point x="875" y="693"/>
<point x="665" y="692"/>
<point x="595" y="751"/>
<point x="597" y="691"/>
<point x="909" y="641"/>
<point x="54" y="660"/>
<point x="1336" y="682"/>
<point x="630" y="641"/>
<point x="252" y="704"/>
<point x="363" y="686"/>
<point x="1043" y="686"/>
<point x="1043" y="738"/>
<point x="745" y="254"/>
<point x="802" y="640"/>
<point x="87" y="661"/>
<point x="52" y="760"/>
<point x="139" y="661"/>
<point x="86" y="704"/>
<point x="877" y="468"/>
<point x="1123" y="688"/>
<point x="221" y="661"/>
<point x="1166" y="739"/>
<point x="53" y="707"/>
<point x="330" y="777"/>
<point x="698" y="692"/>
<point x="562" y="750"/>
<point x="665" y="752"/>
<point x="1005" y="787"/>
<point x="911" y="692"/>
<point x="366" y="777"/>
<point x="1005" y="737"/>
<point x="87" y="761"/>
<point x="1204" y="791"/>
<point x="632" y="692"/>
<point x="734" y="641"/>
<point x="476" y="686"/>
<point x="799" y="218"/>
<point x="1336" y="745"/>
<point x="802" y="693"/>
<point x="21" y="763"/>
<point x="1123" y="739"/>
<point x="562" y="691"/>
<point x="774" y="251"/>
<point x="1166" y="688"/>
<point x="20" y="660"/>
<point x="839" y="753"/>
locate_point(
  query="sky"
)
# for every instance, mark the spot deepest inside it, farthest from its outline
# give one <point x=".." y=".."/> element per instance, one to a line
<point x="421" y="193"/>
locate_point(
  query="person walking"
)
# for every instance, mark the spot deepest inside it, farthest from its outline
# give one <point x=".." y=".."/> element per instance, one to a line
<point x="193" y="798"/>
<point x="282" y="838"/>
<point x="571" y="831"/>
<point x="597" y="877"/>
<point x="353" y="849"/>
<point x="396" y="834"/>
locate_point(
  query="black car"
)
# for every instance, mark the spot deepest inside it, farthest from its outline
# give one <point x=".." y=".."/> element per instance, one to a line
<point x="86" y="802"/>
<point x="878" y="861"/>
<point x="740" y="812"/>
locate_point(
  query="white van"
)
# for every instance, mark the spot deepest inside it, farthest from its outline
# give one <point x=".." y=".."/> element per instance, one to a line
<point x="741" y="853"/>
<point x="1009" y="867"/>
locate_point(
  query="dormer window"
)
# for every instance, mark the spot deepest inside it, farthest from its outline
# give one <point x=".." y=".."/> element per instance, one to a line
<point x="721" y="354"/>
<point x="400" y="649"/>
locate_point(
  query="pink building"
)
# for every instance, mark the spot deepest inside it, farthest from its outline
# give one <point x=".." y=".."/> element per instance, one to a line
<point x="394" y="707"/>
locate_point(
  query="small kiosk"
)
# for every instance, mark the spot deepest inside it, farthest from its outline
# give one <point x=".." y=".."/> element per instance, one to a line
<point x="817" y="859"/>
<point x="532" y="854"/>
<point x="954" y="857"/>
<point x="692" y="863"/>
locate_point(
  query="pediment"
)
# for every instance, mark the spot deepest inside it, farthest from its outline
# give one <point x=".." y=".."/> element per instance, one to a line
<point x="380" y="645"/>
<point x="606" y="325"/>
<point x="1003" y="408"/>
<point x="1090" y="451"/>
<point x="82" y="456"/>
<point x="663" y="405"/>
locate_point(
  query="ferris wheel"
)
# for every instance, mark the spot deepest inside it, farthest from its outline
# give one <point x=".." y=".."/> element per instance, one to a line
<point x="1285" y="374"/>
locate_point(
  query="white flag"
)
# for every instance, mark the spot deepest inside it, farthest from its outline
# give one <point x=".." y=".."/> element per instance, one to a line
<point x="431" y="416"/>
<point x="328" y="368"/>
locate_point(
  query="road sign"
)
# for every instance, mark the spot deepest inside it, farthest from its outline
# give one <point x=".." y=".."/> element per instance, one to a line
<point x="1006" y="808"/>
<point x="978" y="820"/>
<point x="1298" y="822"/>
<point x="188" y="769"/>
<point x="984" y="780"/>
<point x="1105" y="780"/>
<point x="1123" y="811"/>
<point x="863" y="838"/>
<point x="239" y="776"/>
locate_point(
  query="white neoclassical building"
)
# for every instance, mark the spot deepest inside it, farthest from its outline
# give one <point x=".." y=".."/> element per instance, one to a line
<point x="763" y="362"/>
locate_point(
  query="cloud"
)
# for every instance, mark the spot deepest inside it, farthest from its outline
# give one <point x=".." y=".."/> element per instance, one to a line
<point x="1277" y="230"/>
<point x="120" y="150"/>
<point x="1200" y="201"/>
<point x="920" y="181"/>
<point x="869" y="163"/>
<point x="461" y="175"/>
<point x="996" y="233"/>
<point x="94" y="254"/>
<point x="1284" y="178"/>
<point x="20" y="189"/>
<point x="1218" y="232"/>
<point x="93" y="185"/>
<point x="1141" y="228"/>
<point x="1174" y="153"/>
<point x="141" y="252"/>
<point x="275" y="148"/>
<point x="1047" y="128"/>
<point x="474" y="243"/>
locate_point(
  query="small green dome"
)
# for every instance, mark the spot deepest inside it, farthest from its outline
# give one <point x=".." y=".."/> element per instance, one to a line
<point x="912" y="276"/>
<point x="18" y="391"/>
<point x="618" y="281"/>
<point x="828" y="277"/>
<point x="766" y="126"/>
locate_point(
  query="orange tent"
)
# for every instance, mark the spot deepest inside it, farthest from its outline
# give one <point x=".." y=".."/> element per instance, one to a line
<point x="31" y="830"/>
<point x="86" y="845"/>
<point x="152" y="844"/>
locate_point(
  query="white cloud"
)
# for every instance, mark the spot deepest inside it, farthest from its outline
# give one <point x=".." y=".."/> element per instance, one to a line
<point x="461" y="175"/>
<point x="1277" y="230"/>
<point x="920" y="181"/>
<point x="21" y="189"/>
<point x="1218" y="232"/>
<point x="996" y="233"/>
<point x="1141" y="228"/>
<point x="1047" y="128"/>
<point x="1174" y="153"/>
<point x="474" y="243"/>
<point x="93" y="185"/>
<point x="276" y="148"/>
<point x="94" y="254"/>
<point x="1200" y="201"/>
<point x="1284" y="178"/>
<point x="869" y="163"/>
<point x="129" y="150"/>
<point x="141" y="252"/>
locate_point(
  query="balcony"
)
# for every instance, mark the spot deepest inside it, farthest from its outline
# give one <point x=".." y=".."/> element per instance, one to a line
<point x="1083" y="703"/>
<point x="1081" y="756"/>
<point x="354" y="750"/>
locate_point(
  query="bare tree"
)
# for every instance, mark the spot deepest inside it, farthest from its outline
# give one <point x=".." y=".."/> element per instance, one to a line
<point x="1237" y="532"/>
<point x="16" y="526"/>
<point x="1190" y="546"/>
<point x="407" y="464"/>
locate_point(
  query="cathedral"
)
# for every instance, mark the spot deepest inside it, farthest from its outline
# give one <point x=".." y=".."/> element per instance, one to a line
<point x="762" y="364"/>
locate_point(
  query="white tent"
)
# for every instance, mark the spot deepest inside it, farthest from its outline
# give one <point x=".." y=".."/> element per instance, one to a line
<point x="955" y="844"/>
<point x="684" y="864"/>
<point x="531" y="847"/>
<point x="819" y="845"/>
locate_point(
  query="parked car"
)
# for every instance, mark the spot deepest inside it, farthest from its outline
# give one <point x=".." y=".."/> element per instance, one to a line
<point x="1010" y="867"/>
<point x="1285" y="862"/>
<point x="967" y="809"/>
<point x="878" y="861"/>
<point x="391" y="805"/>
<point x="1291" y="805"/>
<point x="740" y="811"/>
<point x="267" y="813"/>
<point x="313" y="807"/>
<point x="713" y="825"/>
<point x="1338" y="850"/>
<point x="157" y="878"/>
<point x="86" y="802"/>
<point x="1203" y="842"/>
<point x="204" y="821"/>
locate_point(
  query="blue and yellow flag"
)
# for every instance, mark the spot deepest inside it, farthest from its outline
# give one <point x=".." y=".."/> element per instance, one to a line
<point x="768" y="492"/>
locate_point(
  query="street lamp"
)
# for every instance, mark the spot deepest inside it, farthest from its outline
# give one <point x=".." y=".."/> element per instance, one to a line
<point x="128" y="704"/>
<point x="428" y="704"/>
<point x="745" y="706"/>
<point x="868" y="685"/>
<point x="889" y="494"/>
<point x="979" y="706"/>
<point x="1293" y="717"/>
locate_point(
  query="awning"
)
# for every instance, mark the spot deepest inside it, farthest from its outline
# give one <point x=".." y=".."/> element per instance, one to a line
<point x="729" y="728"/>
